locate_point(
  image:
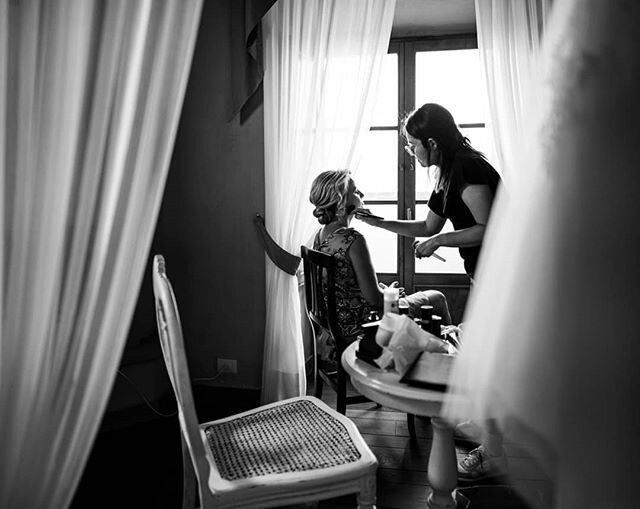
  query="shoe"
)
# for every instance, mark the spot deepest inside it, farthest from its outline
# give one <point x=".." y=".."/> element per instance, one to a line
<point x="468" y="431"/>
<point x="478" y="465"/>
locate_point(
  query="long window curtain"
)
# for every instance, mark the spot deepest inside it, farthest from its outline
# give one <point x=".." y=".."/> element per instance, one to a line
<point x="550" y="343"/>
<point x="90" y="96"/>
<point x="322" y="62"/>
<point x="509" y="35"/>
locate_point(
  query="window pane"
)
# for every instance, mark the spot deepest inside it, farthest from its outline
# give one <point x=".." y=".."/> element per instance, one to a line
<point x="428" y="265"/>
<point x="482" y="140"/>
<point x="377" y="173"/>
<point x="453" y="79"/>
<point x="386" y="105"/>
<point x="383" y="245"/>
<point x="425" y="180"/>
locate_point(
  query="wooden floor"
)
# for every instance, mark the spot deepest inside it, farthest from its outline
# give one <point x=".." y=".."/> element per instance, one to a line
<point x="136" y="462"/>
<point x="402" y="471"/>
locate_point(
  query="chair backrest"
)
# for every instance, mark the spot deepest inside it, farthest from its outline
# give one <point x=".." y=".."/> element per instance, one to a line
<point x="171" y="340"/>
<point x="320" y="292"/>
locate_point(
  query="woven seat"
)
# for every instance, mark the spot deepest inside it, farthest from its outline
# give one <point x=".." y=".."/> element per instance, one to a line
<point x="293" y="451"/>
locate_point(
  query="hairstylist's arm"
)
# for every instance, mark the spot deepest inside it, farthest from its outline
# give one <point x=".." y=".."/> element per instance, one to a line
<point x="407" y="227"/>
<point x="478" y="199"/>
<point x="365" y="273"/>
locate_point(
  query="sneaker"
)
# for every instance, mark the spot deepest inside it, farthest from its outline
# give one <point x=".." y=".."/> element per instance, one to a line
<point x="478" y="464"/>
<point x="468" y="431"/>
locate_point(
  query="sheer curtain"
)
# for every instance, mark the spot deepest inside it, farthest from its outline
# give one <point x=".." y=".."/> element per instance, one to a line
<point x="551" y="344"/>
<point x="322" y="62"/>
<point x="509" y="35"/>
<point x="90" y="96"/>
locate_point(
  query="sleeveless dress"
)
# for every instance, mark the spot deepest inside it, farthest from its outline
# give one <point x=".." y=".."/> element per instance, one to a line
<point x="352" y="308"/>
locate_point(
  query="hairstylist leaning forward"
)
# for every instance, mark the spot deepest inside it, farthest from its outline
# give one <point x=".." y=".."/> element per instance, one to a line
<point x="465" y="186"/>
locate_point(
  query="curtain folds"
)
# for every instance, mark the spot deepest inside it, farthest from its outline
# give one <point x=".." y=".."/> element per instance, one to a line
<point x="550" y="348"/>
<point x="509" y="36"/>
<point x="90" y="97"/>
<point x="322" y="62"/>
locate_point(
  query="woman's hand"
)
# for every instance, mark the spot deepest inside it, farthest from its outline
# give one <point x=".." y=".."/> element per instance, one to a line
<point x="366" y="216"/>
<point x="426" y="247"/>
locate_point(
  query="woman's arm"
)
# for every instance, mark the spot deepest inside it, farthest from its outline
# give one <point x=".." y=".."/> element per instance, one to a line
<point x="365" y="273"/>
<point x="478" y="198"/>
<point x="408" y="228"/>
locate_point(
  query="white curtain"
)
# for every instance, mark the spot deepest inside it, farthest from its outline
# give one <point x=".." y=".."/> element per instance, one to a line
<point x="509" y="35"/>
<point x="551" y="347"/>
<point x="90" y="96"/>
<point x="322" y="62"/>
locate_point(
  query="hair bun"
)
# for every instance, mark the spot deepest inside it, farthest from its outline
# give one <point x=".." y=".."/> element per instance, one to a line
<point x="321" y="215"/>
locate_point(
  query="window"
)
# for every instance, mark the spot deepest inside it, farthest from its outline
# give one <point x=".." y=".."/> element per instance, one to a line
<point x="441" y="70"/>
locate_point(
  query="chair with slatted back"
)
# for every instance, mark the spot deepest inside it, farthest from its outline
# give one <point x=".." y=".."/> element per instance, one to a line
<point x="320" y="293"/>
<point x="294" y="451"/>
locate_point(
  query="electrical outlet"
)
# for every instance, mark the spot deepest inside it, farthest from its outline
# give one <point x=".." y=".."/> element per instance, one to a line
<point x="227" y="365"/>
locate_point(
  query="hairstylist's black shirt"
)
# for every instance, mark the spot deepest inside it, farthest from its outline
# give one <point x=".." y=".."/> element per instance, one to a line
<point x="467" y="168"/>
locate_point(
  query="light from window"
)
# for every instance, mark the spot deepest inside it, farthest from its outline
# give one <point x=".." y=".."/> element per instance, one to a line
<point x="383" y="245"/>
<point x="386" y="106"/>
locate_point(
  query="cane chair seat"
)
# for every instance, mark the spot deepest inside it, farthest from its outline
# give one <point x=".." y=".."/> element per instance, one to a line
<point x="301" y="436"/>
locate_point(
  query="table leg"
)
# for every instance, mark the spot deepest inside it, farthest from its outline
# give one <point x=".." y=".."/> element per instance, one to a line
<point x="443" y="468"/>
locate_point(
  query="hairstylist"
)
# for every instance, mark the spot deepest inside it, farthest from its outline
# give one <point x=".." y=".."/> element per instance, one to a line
<point x="464" y="190"/>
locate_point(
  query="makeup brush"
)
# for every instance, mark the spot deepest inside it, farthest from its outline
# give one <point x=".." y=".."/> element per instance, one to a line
<point x="436" y="256"/>
<point x="364" y="213"/>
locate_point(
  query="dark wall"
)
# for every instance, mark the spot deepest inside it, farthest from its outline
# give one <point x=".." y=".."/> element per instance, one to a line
<point x="205" y="229"/>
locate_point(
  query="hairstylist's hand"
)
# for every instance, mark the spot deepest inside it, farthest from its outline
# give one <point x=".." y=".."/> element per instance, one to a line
<point x="366" y="216"/>
<point x="426" y="247"/>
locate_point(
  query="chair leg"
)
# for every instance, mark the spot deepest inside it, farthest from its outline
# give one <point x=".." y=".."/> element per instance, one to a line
<point x="411" y="424"/>
<point x="342" y="391"/>
<point x="189" y="481"/>
<point x="317" y="389"/>
<point x="367" y="494"/>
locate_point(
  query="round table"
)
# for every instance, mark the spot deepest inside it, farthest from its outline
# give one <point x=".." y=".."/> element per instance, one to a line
<point x="384" y="387"/>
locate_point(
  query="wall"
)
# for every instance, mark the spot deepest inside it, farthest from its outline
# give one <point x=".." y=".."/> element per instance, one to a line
<point x="205" y="229"/>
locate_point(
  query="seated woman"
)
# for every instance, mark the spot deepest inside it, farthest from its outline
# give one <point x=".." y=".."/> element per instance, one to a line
<point x="358" y="292"/>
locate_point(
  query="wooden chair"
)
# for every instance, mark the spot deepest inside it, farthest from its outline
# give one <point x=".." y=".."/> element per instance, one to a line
<point x="294" y="451"/>
<point x="320" y="292"/>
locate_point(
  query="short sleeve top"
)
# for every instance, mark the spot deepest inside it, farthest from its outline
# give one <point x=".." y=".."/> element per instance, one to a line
<point x="352" y="308"/>
<point x="467" y="168"/>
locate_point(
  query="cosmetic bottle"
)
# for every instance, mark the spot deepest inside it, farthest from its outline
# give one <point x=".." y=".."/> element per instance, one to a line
<point x="436" y="325"/>
<point x="391" y="297"/>
<point x="426" y="312"/>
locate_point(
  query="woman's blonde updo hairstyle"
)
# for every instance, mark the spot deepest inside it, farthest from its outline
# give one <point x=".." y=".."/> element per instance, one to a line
<point x="328" y="194"/>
